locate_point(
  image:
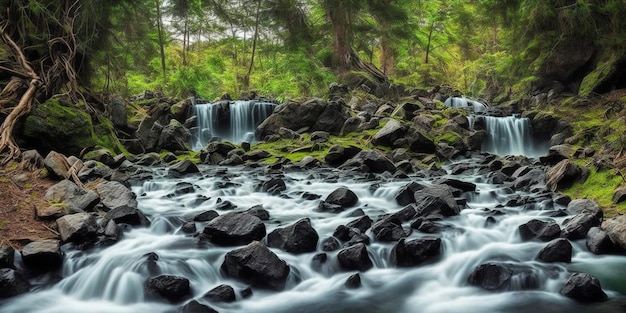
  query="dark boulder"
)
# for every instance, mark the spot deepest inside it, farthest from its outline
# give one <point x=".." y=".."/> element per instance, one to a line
<point x="206" y="216"/>
<point x="615" y="228"/>
<point x="388" y="230"/>
<point x="292" y="115"/>
<point x="355" y="258"/>
<point x="259" y="212"/>
<point x="584" y="288"/>
<point x="7" y="256"/>
<point x="233" y="229"/>
<point x="406" y="194"/>
<point x="353" y="282"/>
<point x="343" y="197"/>
<point x="578" y="226"/>
<point x="559" y="250"/>
<point x="330" y="244"/>
<point x="427" y="204"/>
<point x="274" y="186"/>
<point x="371" y="161"/>
<point x="127" y="215"/>
<point x="391" y="132"/>
<point x="77" y="228"/>
<point x="585" y="206"/>
<point x="184" y="167"/>
<point x="338" y="154"/>
<point x="43" y="255"/>
<point x="362" y="223"/>
<point x="174" y="137"/>
<point x="490" y="276"/>
<point x="169" y="287"/>
<point x="194" y="306"/>
<point x="297" y="238"/>
<point x="563" y="175"/>
<point x="414" y="252"/>
<point x="221" y="293"/>
<point x="255" y="264"/>
<point x="12" y="283"/>
<point x="332" y="118"/>
<point x="537" y="229"/>
<point x="113" y="194"/>
<point x="599" y="242"/>
<point x="420" y="143"/>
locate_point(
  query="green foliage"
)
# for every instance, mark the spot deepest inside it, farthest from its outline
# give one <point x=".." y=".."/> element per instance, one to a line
<point x="599" y="187"/>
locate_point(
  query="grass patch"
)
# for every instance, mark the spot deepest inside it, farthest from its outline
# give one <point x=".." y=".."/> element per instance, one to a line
<point x="599" y="187"/>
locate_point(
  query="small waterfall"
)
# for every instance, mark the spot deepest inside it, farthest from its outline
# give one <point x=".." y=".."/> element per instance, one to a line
<point x="462" y="102"/>
<point x="238" y="126"/>
<point x="509" y="135"/>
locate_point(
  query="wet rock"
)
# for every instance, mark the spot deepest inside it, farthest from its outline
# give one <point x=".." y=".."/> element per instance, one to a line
<point x="414" y="252"/>
<point x="169" y="287"/>
<point x="184" y="167"/>
<point x="578" y="226"/>
<point x="188" y="228"/>
<point x="338" y="154"/>
<point x="174" y="137"/>
<point x="233" y="229"/>
<point x="392" y="131"/>
<point x="114" y="194"/>
<point x="43" y="255"/>
<point x="459" y="184"/>
<point x="420" y="143"/>
<point x="371" y="161"/>
<point x="77" y="228"/>
<point x="362" y="223"/>
<point x="343" y="197"/>
<point x="442" y="192"/>
<point x="330" y="244"/>
<point x="563" y="175"/>
<point x="221" y="293"/>
<point x="194" y="306"/>
<point x="559" y="250"/>
<point x="427" y="204"/>
<point x="297" y="238"/>
<point x="388" y="230"/>
<point x="274" y="186"/>
<point x="7" y="256"/>
<point x="255" y="264"/>
<point x="599" y="242"/>
<point x="537" y="229"/>
<point x="584" y="288"/>
<point x="67" y="197"/>
<point x="615" y="228"/>
<point x="353" y="282"/>
<point x="490" y="276"/>
<point x="584" y="206"/>
<point x="355" y="258"/>
<point x="127" y="215"/>
<point x="225" y="205"/>
<point x="206" y="216"/>
<point x="12" y="283"/>
<point x="259" y="212"/>
<point x="405" y="195"/>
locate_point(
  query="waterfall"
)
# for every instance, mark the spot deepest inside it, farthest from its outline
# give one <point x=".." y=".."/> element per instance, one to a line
<point x="462" y="102"/>
<point x="243" y="117"/>
<point x="509" y="135"/>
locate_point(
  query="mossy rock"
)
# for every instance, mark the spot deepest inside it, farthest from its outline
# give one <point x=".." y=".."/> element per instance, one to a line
<point x="57" y="125"/>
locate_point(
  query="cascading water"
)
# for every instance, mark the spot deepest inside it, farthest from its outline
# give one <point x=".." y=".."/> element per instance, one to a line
<point x="462" y="102"/>
<point x="111" y="279"/>
<point x="244" y="117"/>
<point x="510" y="135"/>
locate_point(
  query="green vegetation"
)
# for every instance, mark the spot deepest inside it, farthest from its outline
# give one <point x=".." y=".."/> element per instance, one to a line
<point x="599" y="187"/>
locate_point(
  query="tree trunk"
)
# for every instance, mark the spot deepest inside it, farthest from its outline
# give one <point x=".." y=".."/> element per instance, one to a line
<point x="161" y="43"/>
<point x="430" y="35"/>
<point x="246" y="79"/>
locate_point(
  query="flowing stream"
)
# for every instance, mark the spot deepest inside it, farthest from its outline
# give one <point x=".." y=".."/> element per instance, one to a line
<point x="111" y="279"/>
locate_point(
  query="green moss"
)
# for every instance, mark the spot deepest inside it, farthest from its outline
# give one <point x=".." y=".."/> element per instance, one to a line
<point x="449" y="138"/>
<point x="599" y="187"/>
<point x="604" y="69"/>
<point x="193" y="156"/>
